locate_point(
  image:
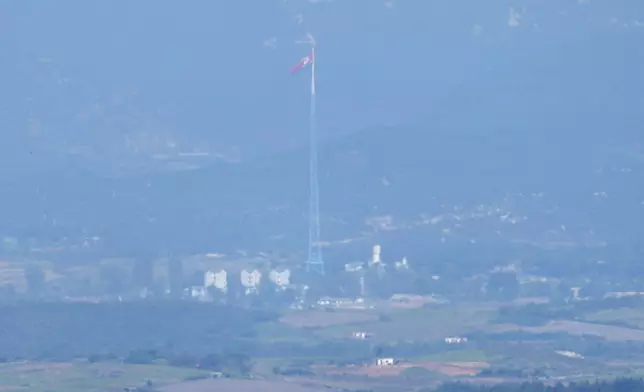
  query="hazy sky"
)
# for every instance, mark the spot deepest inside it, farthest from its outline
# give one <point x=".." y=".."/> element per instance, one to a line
<point x="103" y="79"/>
<point x="81" y="74"/>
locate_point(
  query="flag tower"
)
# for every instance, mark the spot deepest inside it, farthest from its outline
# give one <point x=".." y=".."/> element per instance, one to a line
<point x="315" y="262"/>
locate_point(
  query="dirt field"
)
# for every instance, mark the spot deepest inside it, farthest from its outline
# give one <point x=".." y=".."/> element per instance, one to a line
<point x="321" y="319"/>
<point x="608" y="332"/>
<point x="228" y="385"/>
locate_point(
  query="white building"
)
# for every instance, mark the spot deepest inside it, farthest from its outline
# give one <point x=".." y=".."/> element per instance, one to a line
<point x="336" y="302"/>
<point x="361" y="335"/>
<point x="569" y="354"/>
<point x="382" y="362"/>
<point x="221" y="281"/>
<point x="455" y="340"/>
<point x="281" y="279"/>
<point x="402" y="264"/>
<point x="218" y="280"/>
<point x="208" y="278"/>
<point x="250" y="280"/>
<point x="354" y="267"/>
<point x="375" y="255"/>
<point x="197" y="292"/>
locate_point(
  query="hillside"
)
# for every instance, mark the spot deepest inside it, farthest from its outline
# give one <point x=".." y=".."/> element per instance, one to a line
<point x="541" y="147"/>
<point x="112" y="88"/>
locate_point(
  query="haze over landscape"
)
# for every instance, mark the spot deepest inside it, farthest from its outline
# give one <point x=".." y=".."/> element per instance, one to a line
<point x="470" y="137"/>
<point x="156" y="86"/>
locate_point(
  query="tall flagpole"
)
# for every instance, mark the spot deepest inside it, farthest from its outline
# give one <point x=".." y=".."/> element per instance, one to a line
<point x="315" y="262"/>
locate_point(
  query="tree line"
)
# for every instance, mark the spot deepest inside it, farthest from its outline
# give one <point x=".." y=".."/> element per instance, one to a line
<point x="617" y="385"/>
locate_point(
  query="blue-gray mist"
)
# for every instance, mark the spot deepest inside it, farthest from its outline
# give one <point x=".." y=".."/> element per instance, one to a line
<point x="446" y="124"/>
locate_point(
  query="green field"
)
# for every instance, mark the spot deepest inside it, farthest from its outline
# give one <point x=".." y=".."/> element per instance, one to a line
<point x="417" y="324"/>
<point x="280" y="332"/>
<point x="77" y="377"/>
<point x="629" y="316"/>
<point x="465" y="355"/>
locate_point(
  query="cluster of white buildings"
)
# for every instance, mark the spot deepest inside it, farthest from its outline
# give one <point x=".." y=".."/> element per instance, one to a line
<point x="280" y="279"/>
<point x="249" y="279"/>
<point x="376" y="262"/>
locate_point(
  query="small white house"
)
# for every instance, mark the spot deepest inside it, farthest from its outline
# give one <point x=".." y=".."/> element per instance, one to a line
<point x="569" y="354"/>
<point x="455" y="340"/>
<point x="361" y="335"/>
<point x="385" y="362"/>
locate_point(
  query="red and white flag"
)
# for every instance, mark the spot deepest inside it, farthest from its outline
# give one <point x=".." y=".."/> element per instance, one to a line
<point x="303" y="63"/>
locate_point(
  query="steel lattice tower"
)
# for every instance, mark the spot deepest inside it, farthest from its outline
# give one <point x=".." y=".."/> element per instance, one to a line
<point x="315" y="262"/>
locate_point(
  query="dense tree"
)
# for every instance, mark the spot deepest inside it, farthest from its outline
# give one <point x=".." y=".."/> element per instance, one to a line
<point x="141" y="357"/>
<point x="618" y="385"/>
<point x="142" y="273"/>
<point x="69" y="330"/>
<point x="8" y="293"/>
<point x="35" y="277"/>
<point x="113" y="278"/>
<point x="175" y="276"/>
<point x="503" y="286"/>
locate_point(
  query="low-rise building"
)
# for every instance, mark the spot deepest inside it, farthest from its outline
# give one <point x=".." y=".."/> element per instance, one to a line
<point x="361" y="335"/>
<point x="455" y="340"/>
<point x="330" y="301"/>
<point x="383" y="362"/>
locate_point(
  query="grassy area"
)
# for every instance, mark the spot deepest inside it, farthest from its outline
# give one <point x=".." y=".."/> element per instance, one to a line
<point x="417" y="324"/>
<point x="281" y="332"/>
<point x="419" y="372"/>
<point x="629" y="316"/>
<point x="580" y="328"/>
<point x="465" y="355"/>
<point x="73" y="377"/>
<point x="325" y="319"/>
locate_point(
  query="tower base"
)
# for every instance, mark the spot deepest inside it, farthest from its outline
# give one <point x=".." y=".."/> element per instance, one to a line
<point x="315" y="267"/>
